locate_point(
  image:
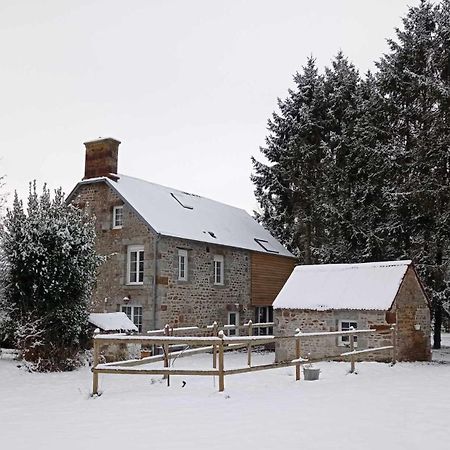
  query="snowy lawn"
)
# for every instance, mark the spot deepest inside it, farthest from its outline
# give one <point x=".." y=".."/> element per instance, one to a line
<point x="405" y="406"/>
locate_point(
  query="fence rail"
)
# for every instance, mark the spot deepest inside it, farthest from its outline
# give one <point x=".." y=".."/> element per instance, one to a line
<point x="218" y="345"/>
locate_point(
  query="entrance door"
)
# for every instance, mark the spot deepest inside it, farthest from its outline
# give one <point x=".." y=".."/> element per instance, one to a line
<point x="233" y="319"/>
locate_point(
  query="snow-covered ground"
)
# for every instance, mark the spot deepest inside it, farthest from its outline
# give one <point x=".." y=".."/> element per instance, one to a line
<point x="380" y="407"/>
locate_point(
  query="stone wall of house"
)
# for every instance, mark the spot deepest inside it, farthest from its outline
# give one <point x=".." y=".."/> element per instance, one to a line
<point x="413" y="320"/>
<point x="198" y="301"/>
<point x="288" y="320"/>
<point x="111" y="288"/>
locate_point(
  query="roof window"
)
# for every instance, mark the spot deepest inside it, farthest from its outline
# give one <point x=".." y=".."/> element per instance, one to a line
<point x="266" y="245"/>
<point x="182" y="199"/>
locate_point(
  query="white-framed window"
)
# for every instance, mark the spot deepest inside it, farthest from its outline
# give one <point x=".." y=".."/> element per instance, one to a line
<point x="182" y="265"/>
<point x="263" y="314"/>
<point x="233" y="319"/>
<point x="134" y="313"/>
<point x="347" y="325"/>
<point x="218" y="269"/>
<point x="135" y="264"/>
<point x="117" y="217"/>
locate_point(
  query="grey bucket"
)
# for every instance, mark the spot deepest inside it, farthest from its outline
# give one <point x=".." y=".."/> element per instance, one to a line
<point x="311" y="374"/>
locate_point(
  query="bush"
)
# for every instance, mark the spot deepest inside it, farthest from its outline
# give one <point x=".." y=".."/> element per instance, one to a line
<point x="50" y="269"/>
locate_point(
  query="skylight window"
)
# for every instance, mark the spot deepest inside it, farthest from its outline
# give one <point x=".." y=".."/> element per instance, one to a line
<point x="266" y="246"/>
<point x="182" y="199"/>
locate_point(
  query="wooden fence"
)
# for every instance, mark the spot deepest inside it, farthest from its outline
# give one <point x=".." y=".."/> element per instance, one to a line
<point x="217" y="345"/>
<point x="212" y="329"/>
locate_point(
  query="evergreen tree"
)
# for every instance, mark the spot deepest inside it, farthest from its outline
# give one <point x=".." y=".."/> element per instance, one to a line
<point x="288" y="188"/>
<point x="51" y="267"/>
<point x="413" y="77"/>
<point x="310" y="191"/>
<point x="341" y="161"/>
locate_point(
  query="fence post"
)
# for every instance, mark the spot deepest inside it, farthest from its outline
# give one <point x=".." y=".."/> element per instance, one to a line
<point x="95" y="374"/>
<point x="166" y="353"/>
<point x="214" y="333"/>
<point x="394" y="343"/>
<point x="249" y="346"/>
<point x="297" y="354"/>
<point x="352" y="349"/>
<point x="221" y="364"/>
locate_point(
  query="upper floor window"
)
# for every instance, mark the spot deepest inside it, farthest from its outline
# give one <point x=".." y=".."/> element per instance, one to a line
<point x="135" y="264"/>
<point x="117" y="217"/>
<point x="218" y="269"/>
<point x="182" y="265"/>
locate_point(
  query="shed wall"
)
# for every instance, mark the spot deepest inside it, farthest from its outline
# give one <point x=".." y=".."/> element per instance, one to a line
<point x="412" y="308"/>
<point x="288" y="320"/>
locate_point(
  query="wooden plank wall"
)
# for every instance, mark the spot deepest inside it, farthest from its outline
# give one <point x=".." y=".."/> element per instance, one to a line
<point x="269" y="273"/>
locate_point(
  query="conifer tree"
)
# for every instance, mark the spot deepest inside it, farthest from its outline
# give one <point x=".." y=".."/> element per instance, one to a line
<point x="340" y="160"/>
<point x="413" y="77"/>
<point x="288" y="188"/>
<point x="51" y="265"/>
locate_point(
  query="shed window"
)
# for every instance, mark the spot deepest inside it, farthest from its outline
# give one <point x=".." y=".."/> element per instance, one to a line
<point x="347" y="325"/>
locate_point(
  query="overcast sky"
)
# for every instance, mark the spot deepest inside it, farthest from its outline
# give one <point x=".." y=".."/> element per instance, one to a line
<point x="186" y="86"/>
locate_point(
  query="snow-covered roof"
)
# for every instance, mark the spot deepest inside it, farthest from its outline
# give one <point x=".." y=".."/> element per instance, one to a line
<point x="172" y="212"/>
<point x="112" y="321"/>
<point x="343" y="286"/>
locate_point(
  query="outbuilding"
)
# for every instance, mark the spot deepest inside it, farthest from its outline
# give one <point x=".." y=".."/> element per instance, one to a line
<point x="336" y="297"/>
<point x="112" y="322"/>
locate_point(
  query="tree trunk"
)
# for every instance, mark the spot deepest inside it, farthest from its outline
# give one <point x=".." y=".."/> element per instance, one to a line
<point x="437" y="325"/>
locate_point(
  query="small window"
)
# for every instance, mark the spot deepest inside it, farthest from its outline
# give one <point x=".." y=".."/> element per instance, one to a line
<point x="182" y="265"/>
<point x="347" y="325"/>
<point x="134" y="313"/>
<point x="218" y="269"/>
<point x="117" y="217"/>
<point x="233" y="319"/>
<point x="266" y="245"/>
<point x="263" y="314"/>
<point x="182" y="199"/>
<point x="135" y="264"/>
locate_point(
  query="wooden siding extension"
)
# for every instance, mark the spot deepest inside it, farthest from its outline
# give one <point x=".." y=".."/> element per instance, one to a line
<point x="269" y="273"/>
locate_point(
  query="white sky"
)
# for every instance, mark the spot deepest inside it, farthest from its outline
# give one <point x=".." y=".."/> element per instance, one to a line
<point x="187" y="86"/>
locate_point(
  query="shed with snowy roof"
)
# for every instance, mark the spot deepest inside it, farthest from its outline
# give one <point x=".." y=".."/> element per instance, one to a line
<point x="336" y="297"/>
<point x="112" y="322"/>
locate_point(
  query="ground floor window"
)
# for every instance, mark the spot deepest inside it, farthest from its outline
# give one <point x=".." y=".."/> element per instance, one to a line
<point x="347" y="325"/>
<point x="263" y="314"/>
<point x="233" y="319"/>
<point x="134" y="313"/>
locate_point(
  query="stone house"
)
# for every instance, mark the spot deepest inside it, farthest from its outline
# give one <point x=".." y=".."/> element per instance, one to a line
<point x="335" y="297"/>
<point x="175" y="257"/>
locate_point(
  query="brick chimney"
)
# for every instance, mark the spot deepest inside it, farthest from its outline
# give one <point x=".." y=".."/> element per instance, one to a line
<point x="101" y="158"/>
